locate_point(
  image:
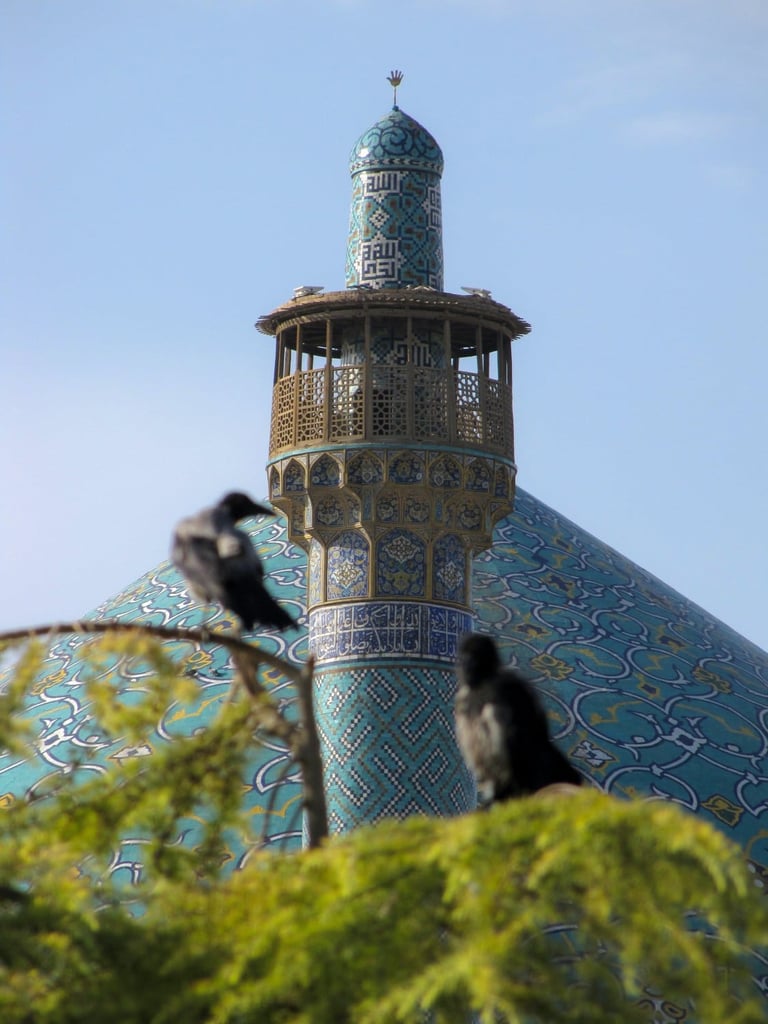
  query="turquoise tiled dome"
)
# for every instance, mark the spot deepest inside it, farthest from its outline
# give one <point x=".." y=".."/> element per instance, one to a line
<point x="648" y="694"/>
<point x="397" y="140"/>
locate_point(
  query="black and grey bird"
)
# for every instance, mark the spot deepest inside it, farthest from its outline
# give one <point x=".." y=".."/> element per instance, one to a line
<point x="501" y="727"/>
<point x="221" y="564"/>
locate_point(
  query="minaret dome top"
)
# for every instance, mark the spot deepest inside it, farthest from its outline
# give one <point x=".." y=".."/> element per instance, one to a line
<point x="396" y="141"/>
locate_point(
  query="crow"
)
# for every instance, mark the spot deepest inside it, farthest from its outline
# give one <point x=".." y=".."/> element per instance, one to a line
<point x="501" y="727"/>
<point x="221" y="565"/>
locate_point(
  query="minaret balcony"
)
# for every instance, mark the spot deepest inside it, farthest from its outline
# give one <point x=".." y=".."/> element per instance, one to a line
<point x="404" y="367"/>
<point x="343" y="405"/>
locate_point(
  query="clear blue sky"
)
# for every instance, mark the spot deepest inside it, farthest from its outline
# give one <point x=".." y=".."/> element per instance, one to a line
<point x="172" y="169"/>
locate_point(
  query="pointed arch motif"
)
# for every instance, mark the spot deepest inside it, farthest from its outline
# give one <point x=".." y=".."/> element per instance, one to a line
<point x="274" y="483"/>
<point x="479" y="476"/>
<point x="501" y="485"/>
<point x="348" y="565"/>
<point x="406" y="467"/>
<point x="294" y="477"/>
<point x="445" y="472"/>
<point x="401" y="564"/>
<point x="365" y="468"/>
<point x="325" y="472"/>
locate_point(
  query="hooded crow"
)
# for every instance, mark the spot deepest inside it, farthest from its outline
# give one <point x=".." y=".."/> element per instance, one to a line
<point x="501" y="727"/>
<point x="221" y="565"/>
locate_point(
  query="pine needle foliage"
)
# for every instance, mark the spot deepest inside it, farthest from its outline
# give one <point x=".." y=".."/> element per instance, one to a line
<point x="548" y="909"/>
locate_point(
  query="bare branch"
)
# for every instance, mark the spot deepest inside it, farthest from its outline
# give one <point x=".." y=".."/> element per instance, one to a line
<point x="269" y="716"/>
<point x="311" y="761"/>
<point x="195" y="636"/>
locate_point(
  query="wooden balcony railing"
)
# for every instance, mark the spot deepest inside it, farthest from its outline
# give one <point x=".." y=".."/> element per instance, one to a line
<point x="360" y="404"/>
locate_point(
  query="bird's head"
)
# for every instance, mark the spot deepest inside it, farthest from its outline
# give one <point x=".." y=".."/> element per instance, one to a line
<point x="478" y="658"/>
<point x="240" y="506"/>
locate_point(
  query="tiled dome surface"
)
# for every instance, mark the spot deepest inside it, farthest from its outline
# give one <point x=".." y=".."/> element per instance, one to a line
<point x="648" y="694"/>
<point x="397" y="140"/>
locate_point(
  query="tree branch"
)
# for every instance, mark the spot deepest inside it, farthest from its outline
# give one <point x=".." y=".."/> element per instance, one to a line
<point x="311" y="761"/>
<point x="195" y="636"/>
<point x="302" y="740"/>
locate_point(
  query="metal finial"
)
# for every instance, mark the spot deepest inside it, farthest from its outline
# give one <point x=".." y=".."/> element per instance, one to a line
<point x="395" y="78"/>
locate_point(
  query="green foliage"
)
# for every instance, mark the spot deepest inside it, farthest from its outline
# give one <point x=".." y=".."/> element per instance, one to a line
<point x="81" y="817"/>
<point x="550" y="909"/>
<point x="14" y="733"/>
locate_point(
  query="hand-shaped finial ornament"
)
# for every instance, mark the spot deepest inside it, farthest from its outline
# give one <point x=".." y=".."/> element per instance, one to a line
<point x="395" y="78"/>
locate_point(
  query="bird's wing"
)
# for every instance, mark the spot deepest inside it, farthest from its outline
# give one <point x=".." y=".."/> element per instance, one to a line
<point x="534" y="760"/>
<point x="497" y="734"/>
<point x="197" y="558"/>
<point x="483" y="727"/>
<point x="259" y="606"/>
<point x="238" y="555"/>
<point x="243" y="579"/>
<point x="554" y="767"/>
<point x="230" y="544"/>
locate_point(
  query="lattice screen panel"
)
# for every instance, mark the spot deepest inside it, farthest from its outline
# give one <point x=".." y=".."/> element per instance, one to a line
<point x="469" y="422"/>
<point x="430" y="404"/>
<point x="347" y="418"/>
<point x="281" y="434"/>
<point x="310" y="424"/>
<point x="389" y="405"/>
<point x="355" y="402"/>
<point x="498" y="415"/>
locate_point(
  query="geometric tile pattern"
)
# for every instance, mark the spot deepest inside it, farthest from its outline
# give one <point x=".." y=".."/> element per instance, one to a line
<point x="395" y="232"/>
<point x="393" y="345"/>
<point x="388" y="744"/>
<point x="428" y="347"/>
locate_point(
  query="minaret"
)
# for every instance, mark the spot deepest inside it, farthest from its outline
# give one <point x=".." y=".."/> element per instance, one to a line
<point x="391" y="455"/>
